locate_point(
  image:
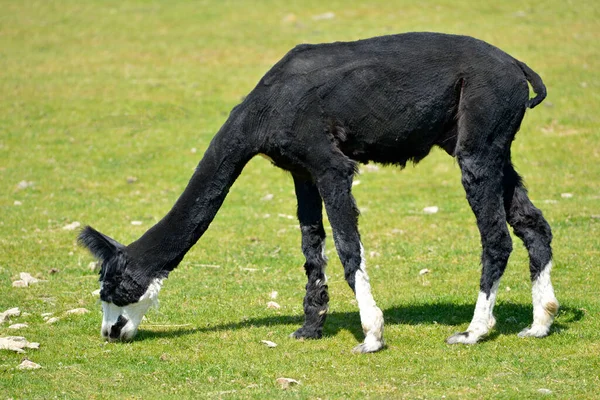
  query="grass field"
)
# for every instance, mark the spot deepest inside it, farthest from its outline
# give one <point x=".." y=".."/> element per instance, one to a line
<point x="105" y="110"/>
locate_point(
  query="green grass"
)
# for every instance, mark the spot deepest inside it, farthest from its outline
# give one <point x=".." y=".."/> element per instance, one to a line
<point x="92" y="93"/>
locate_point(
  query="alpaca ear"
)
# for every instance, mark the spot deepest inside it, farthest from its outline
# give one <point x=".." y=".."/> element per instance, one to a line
<point x="101" y="246"/>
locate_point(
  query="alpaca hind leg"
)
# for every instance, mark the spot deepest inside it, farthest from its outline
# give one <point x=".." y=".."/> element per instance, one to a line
<point x="310" y="216"/>
<point x="532" y="228"/>
<point x="482" y="179"/>
<point x="486" y="129"/>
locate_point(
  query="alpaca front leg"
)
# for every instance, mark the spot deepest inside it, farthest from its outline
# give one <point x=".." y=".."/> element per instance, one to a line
<point x="316" y="300"/>
<point x="343" y="216"/>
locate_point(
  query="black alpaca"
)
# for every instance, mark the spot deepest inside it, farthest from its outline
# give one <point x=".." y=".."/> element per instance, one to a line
<point x="317" y="113"/>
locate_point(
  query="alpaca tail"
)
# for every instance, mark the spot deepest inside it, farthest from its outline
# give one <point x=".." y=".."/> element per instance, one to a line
<point x="536" y="83"/>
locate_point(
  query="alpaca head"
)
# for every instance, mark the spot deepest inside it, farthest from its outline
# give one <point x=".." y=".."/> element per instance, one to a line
<point x="126" y="291"/>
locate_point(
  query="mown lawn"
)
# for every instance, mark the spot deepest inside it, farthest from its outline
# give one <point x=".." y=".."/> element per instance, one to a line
<point x="105" y="110"/>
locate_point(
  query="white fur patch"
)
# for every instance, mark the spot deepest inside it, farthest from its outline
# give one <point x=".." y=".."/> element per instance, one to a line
<point x="483" y="319"/>
<point x="133" y="312"/>
<point x="371" y="316"/>
<point x="545" y="305"/>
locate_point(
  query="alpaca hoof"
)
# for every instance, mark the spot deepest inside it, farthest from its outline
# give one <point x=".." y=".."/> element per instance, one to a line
<point x="535" y="331"/>
<point x="463" y="338"/>
<point x="304" y="333"/>
<point x="370" y="347"/>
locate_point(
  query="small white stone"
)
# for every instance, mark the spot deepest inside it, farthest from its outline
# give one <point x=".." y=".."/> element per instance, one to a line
<point x="27" y="278"/>
<point x="17" y="203"/>
<point x="96" y="292"/>
<point x="273" y="294"/>
<point x="33" y="345"/>
<point x="26" y="364"/>
<point x="11" y="312"/>
<point x="566" y="195"/>
<point x="356" y="183"/>
<point x="52" y="320"/>
<point x="46" y="315"/>
<point x="431" y="210"/>
<point x="544" y="391"/>
<point x="17" y="343"/>
<point x="72" y="226"/>
<point x="18" y="326"/>
<point x="285" y="383"/>
<point x="424" y="271"/>
<point x="19" y="283"/>
<point x="273" y="305"/>
<point x="24" y="185"/>
<point x="136" y="223"/>
<point x="193" y="150"/>
<point x="268" y="197"/>
<point x="268" y="343"/>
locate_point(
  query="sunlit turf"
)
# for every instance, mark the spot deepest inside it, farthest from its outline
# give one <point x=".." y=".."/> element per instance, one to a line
<point x="107" y="107"/>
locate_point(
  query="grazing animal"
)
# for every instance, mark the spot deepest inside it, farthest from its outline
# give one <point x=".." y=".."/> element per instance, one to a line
<point x="319" y="112"/>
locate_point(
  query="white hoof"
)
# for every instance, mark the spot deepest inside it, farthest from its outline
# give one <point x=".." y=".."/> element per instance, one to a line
<point x="537" y="331"/>
<point x="463" y="338"/>
<point x="369" y="347"/>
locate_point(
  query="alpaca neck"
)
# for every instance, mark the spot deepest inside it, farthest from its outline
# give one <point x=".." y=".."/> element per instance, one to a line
<point x="163" y="246"/>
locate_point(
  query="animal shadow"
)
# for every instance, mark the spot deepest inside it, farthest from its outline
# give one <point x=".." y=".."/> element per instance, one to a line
<point x="511" y="319"/>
